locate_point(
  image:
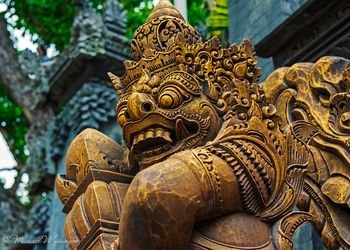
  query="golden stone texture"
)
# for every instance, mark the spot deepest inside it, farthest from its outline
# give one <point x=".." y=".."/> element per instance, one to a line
<point x="214" y="160"/>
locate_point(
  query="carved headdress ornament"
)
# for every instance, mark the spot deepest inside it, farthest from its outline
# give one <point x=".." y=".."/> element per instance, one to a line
<point x="166" y="44"/>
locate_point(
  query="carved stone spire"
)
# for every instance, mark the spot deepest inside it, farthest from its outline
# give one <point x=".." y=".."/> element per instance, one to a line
<point x="161" y="31"/>
<point x="164" y="8"/>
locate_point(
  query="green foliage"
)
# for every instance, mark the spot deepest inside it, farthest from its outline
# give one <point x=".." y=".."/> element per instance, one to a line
<point x="136" y="13"/>
<point x="218" y="18"/>
<point x="51" y="20"/>
<point x="12" y="121"/>
<point x="197" y="11"/>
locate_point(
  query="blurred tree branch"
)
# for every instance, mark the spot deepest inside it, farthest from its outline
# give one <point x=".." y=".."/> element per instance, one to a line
<point x="17" y="85"/>
<point x="17" y="82"/>
<point x="11" y="73"/>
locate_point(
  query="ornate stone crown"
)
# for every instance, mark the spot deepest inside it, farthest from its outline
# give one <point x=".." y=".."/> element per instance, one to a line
<point x="161" y="30"/>
<point x="166" y="43"/>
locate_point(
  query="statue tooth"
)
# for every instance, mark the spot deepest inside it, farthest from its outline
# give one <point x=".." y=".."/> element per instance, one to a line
<point x="161" y="149"/>
<point x="150" y="133"/>
<point x="135" y="141"/>
<point x="166" y="136"/>
<point x="165" y="147"/>
<point x="141" y="137"/>
<point x="159" y="132"/>
<point x="149" y="153"/>
<point x="154" y="132"/>
<point x="157" y="151"/>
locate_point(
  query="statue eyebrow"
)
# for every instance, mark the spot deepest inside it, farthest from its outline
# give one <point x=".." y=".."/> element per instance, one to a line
<point x="190" y="85"/>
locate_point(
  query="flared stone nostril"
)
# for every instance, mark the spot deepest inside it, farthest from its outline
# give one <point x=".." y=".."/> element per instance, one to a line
<point x="147" y="107"/>
<point x="139" y="104"/>
<point x="127" y="116"/>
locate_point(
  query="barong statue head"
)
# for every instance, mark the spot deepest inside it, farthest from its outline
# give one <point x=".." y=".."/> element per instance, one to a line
<point x="174" y="96"/>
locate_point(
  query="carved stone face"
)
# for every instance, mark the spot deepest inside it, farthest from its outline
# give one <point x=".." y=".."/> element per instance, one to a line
<point x="319" y="94"/>
<point x="323" y="97"/>
<point x="162" y="116"/>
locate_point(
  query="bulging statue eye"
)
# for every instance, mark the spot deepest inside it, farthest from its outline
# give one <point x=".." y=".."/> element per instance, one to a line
<point x="170" y="98"/>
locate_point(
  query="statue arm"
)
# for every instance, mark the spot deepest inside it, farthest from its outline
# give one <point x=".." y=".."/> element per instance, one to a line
<point x="165" y="200"/>
<point x="236" y="172"/>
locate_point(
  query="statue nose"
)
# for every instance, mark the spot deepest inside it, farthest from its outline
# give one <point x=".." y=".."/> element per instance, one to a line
<point x="139" y="104"/>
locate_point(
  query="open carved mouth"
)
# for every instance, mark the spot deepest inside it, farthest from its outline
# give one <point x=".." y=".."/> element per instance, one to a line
<point x="156" y="137"/>
<point x="151" y="142"/>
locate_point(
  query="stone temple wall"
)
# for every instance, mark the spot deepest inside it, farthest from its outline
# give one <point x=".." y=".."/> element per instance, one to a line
<point x="255" y="19"/>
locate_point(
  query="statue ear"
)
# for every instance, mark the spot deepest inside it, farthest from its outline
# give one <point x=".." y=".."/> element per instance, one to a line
<point x="116" y="83"/>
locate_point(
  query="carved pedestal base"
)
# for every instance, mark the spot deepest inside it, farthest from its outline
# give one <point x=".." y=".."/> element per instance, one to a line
<point x="94" y="210"/>
<point x="102" y="235"/>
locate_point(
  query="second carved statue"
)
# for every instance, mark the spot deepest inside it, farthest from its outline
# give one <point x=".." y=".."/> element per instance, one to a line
<point x="214" y="160"/>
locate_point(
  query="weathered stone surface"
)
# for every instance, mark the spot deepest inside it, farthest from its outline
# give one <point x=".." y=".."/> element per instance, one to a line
<point x="206" y="140"/>
<point x="337" y="188"/>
